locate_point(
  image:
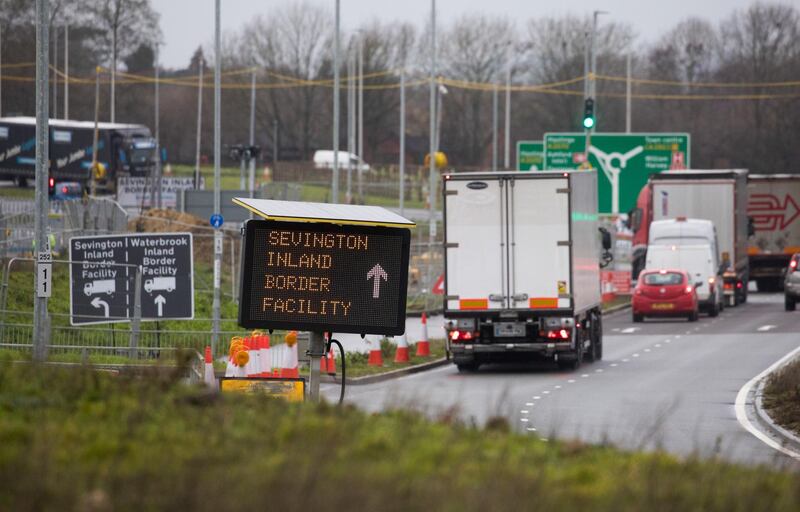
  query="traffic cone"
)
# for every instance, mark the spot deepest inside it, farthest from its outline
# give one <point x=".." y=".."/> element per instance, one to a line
<point x="323" y="364"/>
<point x="375" y="356"/>
<point x="423" y="345"/>
<point x="266" y="360"/>
<point x="401" y="354"/>
<point x="209" y="378"/>
<point x="331" y="363"/>
<point x="289" y="368"/>
<point x="232" y="369"/>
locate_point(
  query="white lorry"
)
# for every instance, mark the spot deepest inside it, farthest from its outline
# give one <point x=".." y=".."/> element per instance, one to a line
<point x="721" y="197"/>
<point x="522" y="272"/>
<point x="773" y="202"/>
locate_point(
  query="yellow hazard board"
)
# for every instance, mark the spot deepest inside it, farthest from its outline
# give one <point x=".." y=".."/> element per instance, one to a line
<point x="291" y="390"/>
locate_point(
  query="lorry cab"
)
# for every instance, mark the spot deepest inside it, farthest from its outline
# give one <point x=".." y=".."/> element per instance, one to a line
<point x="699" y="262"/>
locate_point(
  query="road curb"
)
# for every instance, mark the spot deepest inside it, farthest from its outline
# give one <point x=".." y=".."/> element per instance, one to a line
<point x="381" y="377"/>
<point x="617" y="308"/>
<point x="786" y="437"/>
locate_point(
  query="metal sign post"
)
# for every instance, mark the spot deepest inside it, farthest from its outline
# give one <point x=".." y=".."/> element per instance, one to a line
<point x="42" y="170"/>
<point x="215" y="305"/>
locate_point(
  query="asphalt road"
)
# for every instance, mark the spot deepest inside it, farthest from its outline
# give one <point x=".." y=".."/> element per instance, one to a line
<point x="662" y="384"/>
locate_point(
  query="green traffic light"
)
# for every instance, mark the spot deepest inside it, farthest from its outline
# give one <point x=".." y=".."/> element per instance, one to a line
<point x="588" y="122"/>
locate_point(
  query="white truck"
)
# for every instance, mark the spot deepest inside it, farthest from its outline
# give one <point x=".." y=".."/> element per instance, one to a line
<point x="773" y="202"/>
<point x="721" y="197"/>
<point x="522" y="272"/>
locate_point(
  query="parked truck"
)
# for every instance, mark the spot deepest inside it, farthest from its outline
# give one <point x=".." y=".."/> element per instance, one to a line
<point x="716" y="195"/>
<point x="123" y="149"/>
<point x="522" y="271"/>
<point x="773" y="202"/>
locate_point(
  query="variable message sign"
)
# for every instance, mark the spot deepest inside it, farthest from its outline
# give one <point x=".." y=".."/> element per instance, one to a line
<point x="324" y="277"/>
<point x="102" y="281"/>
<point x="624" y="161"/>
<point x="530" y="155"/>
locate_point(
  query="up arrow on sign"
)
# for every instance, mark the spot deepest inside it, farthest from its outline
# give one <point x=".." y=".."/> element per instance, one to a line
<point x="377" y="273"/>
<point x="160" y="301"/>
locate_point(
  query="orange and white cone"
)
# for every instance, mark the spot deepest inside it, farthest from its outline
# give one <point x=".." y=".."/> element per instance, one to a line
<point x="264" y="356"/>
<point x="289" y="368"/>
<point x="209" y="378"/>
<point x="331" y="363"/>
<point x="375" y="355"/>
<point x="232" y="369"/>
<point x="401" y="354"/>
<point x="423" y="345"/>
<point x="252" y="368"/>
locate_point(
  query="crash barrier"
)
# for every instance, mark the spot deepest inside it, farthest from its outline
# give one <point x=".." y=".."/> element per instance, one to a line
<point x="615" y="283"/>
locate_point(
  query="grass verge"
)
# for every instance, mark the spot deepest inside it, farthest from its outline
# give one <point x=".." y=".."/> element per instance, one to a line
<point x="782" y="396"/>
<point x="357" y="362"/>
<point x="81" y="440"/>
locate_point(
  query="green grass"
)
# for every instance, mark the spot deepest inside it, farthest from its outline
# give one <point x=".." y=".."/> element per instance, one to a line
<point x="357" y="362"/>
<point x="782" y="396"/>
<point x="16" y="192"/>
<point x="81" y="440"/>
<point x="617" y="301"/>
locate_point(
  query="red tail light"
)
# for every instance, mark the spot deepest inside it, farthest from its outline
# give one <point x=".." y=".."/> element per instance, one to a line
<point x="558" y="334"/>
<point x="739" y="285"/>
<point x="461" y="335"/>
<point x="689" y="289"/>
<point x="728" y="286"/>
<point x="793" y="264"/>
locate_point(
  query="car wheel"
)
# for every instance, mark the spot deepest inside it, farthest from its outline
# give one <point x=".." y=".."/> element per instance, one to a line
<point x="637" y="318"/>
<point x="714" y="310"/>
<point x="694" y="316"/>
<point x="790" y="303"/>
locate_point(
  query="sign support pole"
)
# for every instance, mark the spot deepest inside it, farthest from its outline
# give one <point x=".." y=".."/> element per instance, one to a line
<point x="316" y="349"/>
<point x="42" y="170"/>
<point x="215" y="306"/>
<point x="251" y="178"/>
<point x="432" y="178"/>
<point x="335" y="184"/>
<point x="137" y="313"/>
<point x="199" y="125"/>
<point x="402" y="138"/>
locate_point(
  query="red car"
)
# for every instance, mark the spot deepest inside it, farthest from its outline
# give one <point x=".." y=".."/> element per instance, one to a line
<point x="664" y="293"/>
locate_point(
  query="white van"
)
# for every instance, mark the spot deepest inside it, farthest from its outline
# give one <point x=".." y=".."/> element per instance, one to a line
<point x="323" y="159"/>
<point x="699" y="262"/>
<point x="683" y="231"/>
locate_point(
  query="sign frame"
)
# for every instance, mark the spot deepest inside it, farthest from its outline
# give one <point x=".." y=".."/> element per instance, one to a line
<point x="246" y="281"/>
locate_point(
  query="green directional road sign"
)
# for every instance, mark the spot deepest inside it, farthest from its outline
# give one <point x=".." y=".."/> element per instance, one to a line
<point x="530" y="155"/>
<point x="624" y="161"/>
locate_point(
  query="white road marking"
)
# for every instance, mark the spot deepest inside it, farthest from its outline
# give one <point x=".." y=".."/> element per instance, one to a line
<point x="635" y="355"/>
<point x="613" y="365"/>
<point x="765" y="328"/>
<point x="647" y="350"/>
<point x="625" y="360"/>
<point x="677" y="336"/>
<point x="528" y="404"/>
<point x="667" y="341"/>
<point x="741" y="412"/>
<point x="598" y="371"/>
<point x="545" y="392"/>
<point x="584" y="375"/>
<point x="558" y="387"/>
<point x="571" y="381"/>
<point x="658" y="345"/>
<point x="630" y="330"/>
<point x="537" y="397"/>
<point x="531" y="429"/>
<point x="524" y="411"/>
<point x="524" y="420"/>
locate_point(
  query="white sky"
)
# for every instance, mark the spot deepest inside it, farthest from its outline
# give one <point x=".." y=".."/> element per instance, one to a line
<point x="189" y="23"/>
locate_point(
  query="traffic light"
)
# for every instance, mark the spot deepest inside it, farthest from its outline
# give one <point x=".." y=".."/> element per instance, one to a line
<point x="51" y="186"/>
<point x="588" y="114"/>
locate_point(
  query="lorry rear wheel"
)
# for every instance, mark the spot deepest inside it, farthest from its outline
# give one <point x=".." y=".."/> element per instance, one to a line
<point x="713" y="311"/>
<point x="597" y="342"/>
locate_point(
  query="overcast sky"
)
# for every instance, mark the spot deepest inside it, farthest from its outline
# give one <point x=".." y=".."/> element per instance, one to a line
<point x="189" y="23"/>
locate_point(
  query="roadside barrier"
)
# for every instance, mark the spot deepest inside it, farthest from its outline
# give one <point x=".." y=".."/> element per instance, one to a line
<point x="290" y="369"/>
<point x="423" y="345"/>
<point x="264" y="357"/>
<point x="401" y="354"/>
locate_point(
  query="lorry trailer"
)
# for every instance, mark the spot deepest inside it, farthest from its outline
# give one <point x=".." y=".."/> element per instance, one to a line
<point x="522" y="272"/>
<point x="123" y="149"/>
<point x="773" y="202"/>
